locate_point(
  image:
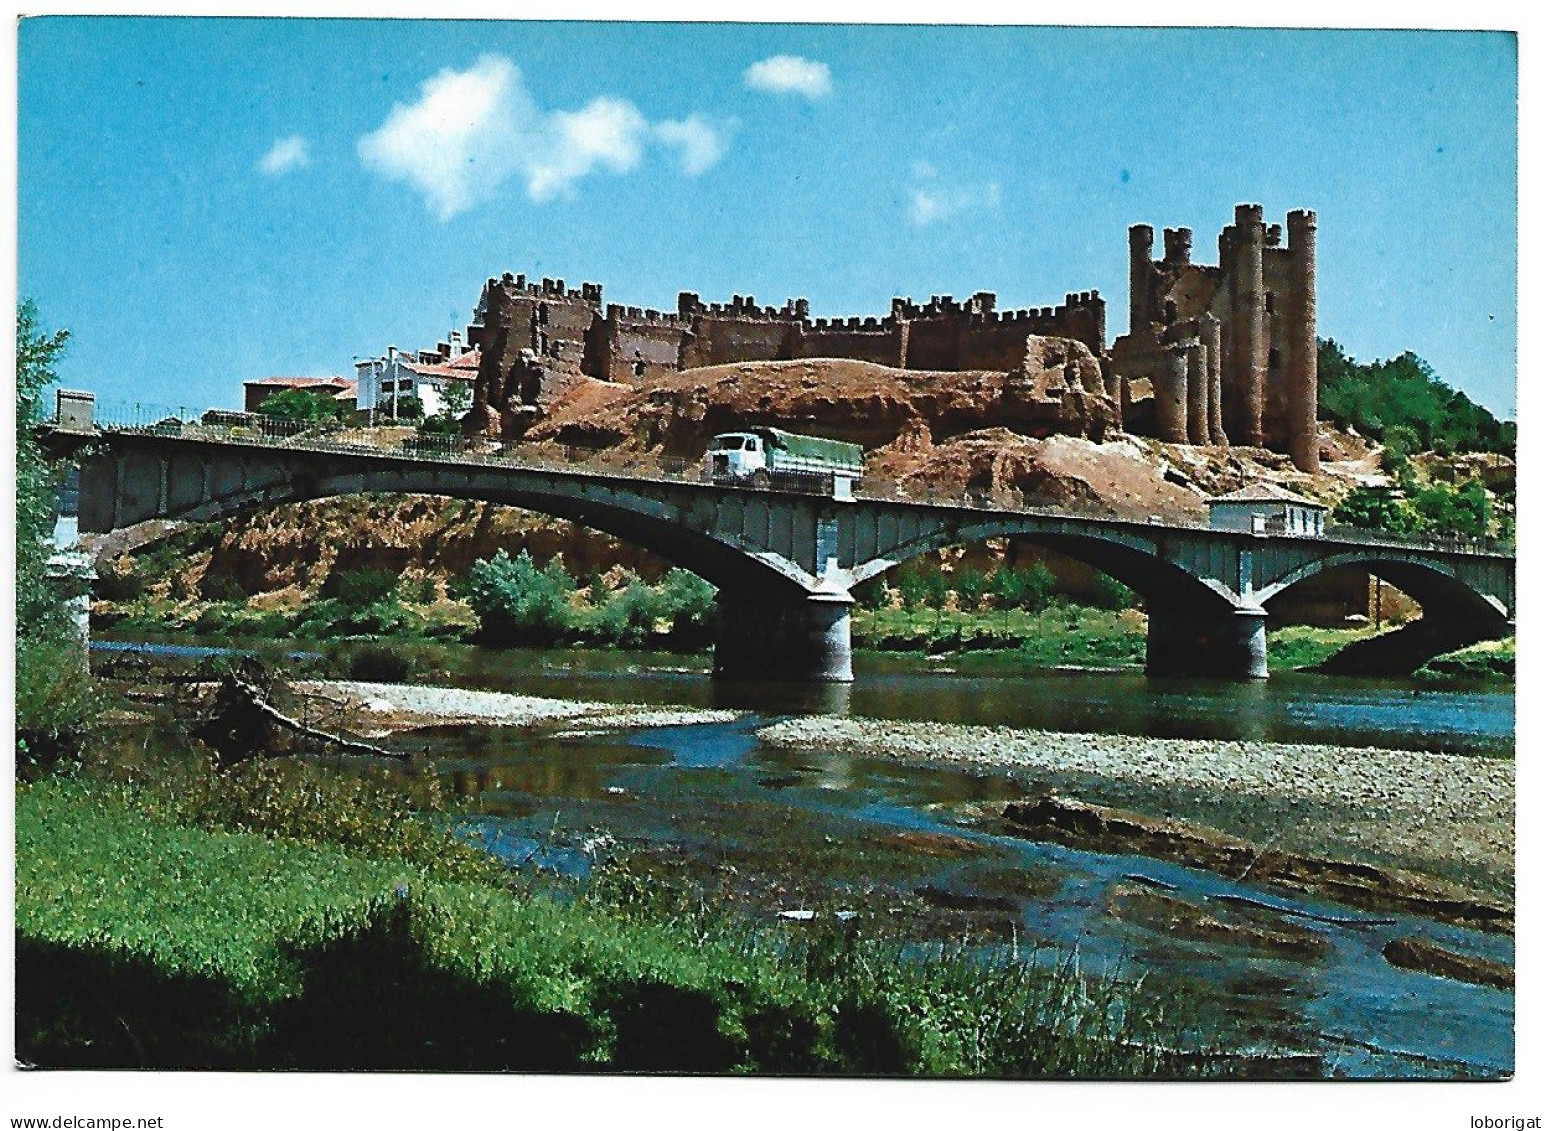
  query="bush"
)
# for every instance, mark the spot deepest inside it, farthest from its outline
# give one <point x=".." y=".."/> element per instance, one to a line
<point x="221" y="587"/>
<point x="303" y="406"/>
<point x="518" y="603"/>
<point x="360" y="588"/>
<point x="971" y="586"/>
<point x="631" y="615"/>
<point x="1109" y="593"/>
<point x="1031" y="588"/>
<point x="689" y="604"/>
<point x="379" y="663"/>
<point x="57" y="705"/>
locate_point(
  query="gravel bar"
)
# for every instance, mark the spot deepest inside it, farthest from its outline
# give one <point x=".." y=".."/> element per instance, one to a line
<point x="377" y="709"/>
<point x="1444" y="814"/>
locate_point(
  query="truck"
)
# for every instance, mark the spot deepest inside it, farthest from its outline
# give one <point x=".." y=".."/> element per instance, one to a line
<point x="768" y="457"/>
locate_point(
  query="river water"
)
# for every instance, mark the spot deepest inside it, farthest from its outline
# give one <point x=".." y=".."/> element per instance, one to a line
<point x="819" y="832"/>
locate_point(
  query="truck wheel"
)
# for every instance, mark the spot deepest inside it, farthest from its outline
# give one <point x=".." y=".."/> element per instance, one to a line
<point x="760" y="480"/>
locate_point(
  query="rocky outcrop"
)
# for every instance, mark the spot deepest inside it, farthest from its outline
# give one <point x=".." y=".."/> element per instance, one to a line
<point x="1058" y="391"/>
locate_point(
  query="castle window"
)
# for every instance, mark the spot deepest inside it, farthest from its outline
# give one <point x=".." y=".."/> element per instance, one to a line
<point x="639" y="367"/>
<point x="1170" y="311"/>
<point x="1270" y="303"/>
<point x="1276" y="359"/>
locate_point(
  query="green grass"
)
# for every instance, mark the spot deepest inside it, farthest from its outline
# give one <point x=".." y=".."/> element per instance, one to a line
<point x="1304" y="646"/>
<point x="146" y="942"/>
<point x="1058" y="635"/>
<point x="1490" y="659"/>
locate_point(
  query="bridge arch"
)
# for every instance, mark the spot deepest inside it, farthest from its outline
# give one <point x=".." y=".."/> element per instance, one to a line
<point x="1440" y="591"/>
<point x="1128" y="557"/>
<point x="651" y="524"/>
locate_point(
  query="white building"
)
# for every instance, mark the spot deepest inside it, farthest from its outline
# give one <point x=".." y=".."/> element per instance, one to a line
<point x="1265" y="508"/>
<point x="384" y="384"/>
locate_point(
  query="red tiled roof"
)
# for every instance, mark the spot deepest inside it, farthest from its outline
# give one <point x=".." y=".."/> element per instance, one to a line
<point x="467" y="360"/>
<point x="300" y="382"/>
<point x="439" y="371"/>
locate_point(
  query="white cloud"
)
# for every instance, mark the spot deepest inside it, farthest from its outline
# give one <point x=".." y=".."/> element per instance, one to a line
<point x="472" y="130"/>
<point x="700" y="143"/>
<point x="789" y="74"/>
<point x="286" y="154"/>
<point x="931" y="198"/>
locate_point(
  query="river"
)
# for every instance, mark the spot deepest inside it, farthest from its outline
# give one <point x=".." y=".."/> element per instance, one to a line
<point x="775" y="831"/>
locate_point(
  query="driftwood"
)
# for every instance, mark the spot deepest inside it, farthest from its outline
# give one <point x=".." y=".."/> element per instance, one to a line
<point x="243" y="723"/>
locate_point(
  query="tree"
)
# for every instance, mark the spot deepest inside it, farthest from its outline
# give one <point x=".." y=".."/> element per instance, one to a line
<point x="39" y="603"/>
<point x="55" y="698"/>
<point x="457" y="398"/>
<point x="303" y="406"/>
<point x="1465" y="510"/>
<point x="519" y="603"/>
<point x="1374" y="509"/>
<point x="1381" y="397"/>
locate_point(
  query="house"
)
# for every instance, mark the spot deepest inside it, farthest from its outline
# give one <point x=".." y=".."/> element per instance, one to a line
<point x="1265" y="508"/>
<point x="383" y="384"/>
<point x="255" y="393"/>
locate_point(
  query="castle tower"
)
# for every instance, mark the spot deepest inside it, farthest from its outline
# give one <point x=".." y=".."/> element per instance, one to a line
<point x="1176" y="247"/>
<point x="1302" y="371"/>
<point x="1247" y="344"/>
<point x="1211" y="341"/>
<point x="1195" y="393"/>
<point x="1141" y="274"/>
<point x="1170" y="389"/>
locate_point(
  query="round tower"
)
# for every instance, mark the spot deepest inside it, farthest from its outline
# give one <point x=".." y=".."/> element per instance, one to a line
<point x="1248" y="348"/>
<point x="1141" y="275"/>
<point x="1302" y="374"/>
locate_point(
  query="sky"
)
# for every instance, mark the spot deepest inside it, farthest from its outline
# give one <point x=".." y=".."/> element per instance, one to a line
<point x="203" y="202"/>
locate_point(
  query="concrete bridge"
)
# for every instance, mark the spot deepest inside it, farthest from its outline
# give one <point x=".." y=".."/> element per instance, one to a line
<point x="785" y="563"/>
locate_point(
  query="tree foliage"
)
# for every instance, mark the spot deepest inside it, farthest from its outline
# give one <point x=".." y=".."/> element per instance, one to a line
<point x="516" y="602"/>
<point x="55" y="698"/>
<point x="39" y="608"/>
<point x="1402" y="403"/>
<point x="303" y="406"/>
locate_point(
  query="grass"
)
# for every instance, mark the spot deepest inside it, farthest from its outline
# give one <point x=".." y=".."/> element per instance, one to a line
<point x="1490" y="659"/>
<point x="144" y="940"/>
<point x="1058" y="635"/>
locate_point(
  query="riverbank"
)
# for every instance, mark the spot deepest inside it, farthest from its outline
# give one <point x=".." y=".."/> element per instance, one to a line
<point x="1448" y="818"/>
<point x="207" y="938"/>
<point x="1061" y="635"/>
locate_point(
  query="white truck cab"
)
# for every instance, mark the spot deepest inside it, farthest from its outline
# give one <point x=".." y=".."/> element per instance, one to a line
<point x="735" y="455"/>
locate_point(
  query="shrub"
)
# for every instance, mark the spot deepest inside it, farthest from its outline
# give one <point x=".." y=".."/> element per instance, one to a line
<point x="1109" y="593"/>
<point x="379" y="663"/>
<point x="971" y="585"/>
<point x="360" y="588"/>
<point x="221" y="587"/>
<point x="1030" y="588"/>
<point x="57" y="705"/>
<point x="301" y="405"/>
<point x="631" y="615"/>
<point x="689" y="604"/>
<point x="518" y="603"/>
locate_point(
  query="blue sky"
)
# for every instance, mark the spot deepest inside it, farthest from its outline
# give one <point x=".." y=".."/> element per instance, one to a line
<point x="207" y="201"/>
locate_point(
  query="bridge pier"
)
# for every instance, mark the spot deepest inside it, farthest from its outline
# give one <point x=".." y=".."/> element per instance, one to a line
<point x="806" y="639"/>
<point x="1229" y="645"/>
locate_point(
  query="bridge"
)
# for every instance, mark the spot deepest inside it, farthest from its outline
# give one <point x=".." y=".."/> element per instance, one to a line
<point x="785" y="563"/>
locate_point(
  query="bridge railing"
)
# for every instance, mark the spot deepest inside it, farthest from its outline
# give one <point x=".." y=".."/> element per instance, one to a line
<point x="264" y="431"/>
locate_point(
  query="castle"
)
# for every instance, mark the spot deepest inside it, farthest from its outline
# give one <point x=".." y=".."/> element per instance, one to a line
<point x="1213" y="355"/>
